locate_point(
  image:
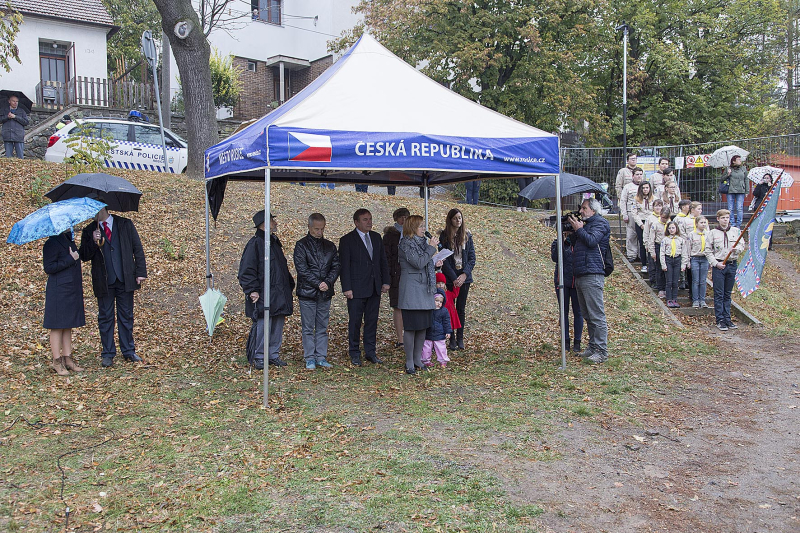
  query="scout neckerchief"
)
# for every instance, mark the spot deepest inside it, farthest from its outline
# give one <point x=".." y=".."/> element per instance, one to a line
<point x="702" y="239"/>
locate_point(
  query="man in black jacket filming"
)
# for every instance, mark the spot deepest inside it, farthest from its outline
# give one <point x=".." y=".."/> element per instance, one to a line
<point x="281" y="284"/>
<point x="317" y="263"/>
<point x="113" y="246"/>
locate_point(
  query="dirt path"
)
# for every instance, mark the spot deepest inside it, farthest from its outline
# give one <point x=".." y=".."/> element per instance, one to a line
<point x="720" y="455"/>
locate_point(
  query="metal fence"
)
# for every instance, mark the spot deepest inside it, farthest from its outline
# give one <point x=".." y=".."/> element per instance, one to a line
<point x="698" y="183"/>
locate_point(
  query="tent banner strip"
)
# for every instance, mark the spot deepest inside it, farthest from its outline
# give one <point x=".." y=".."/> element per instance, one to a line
<point x="300" y="148"/>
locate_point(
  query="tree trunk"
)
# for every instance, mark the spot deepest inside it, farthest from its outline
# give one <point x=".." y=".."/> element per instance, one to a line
<point x="192" y="55"/>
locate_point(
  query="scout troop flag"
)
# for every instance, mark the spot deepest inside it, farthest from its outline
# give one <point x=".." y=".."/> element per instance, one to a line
<point x="748" y="275"/>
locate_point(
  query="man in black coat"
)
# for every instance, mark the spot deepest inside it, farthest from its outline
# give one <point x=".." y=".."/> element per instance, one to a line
<point x="365" y="275"/>
<point x="113" y="246"/>
<point x="281" y="283"/>
<point x="317" y="263"/>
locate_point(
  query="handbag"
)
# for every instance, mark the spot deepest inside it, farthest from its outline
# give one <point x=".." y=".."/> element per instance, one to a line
<point x="723" y="186"/>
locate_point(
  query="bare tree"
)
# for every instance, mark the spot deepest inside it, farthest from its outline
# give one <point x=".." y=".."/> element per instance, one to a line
<point x="226" y="15"/>
<point x="182" y="26"/>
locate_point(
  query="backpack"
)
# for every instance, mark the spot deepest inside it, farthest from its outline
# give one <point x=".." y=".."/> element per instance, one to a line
<point x="608" y="259"/>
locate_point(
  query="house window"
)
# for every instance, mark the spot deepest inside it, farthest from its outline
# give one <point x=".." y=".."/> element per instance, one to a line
<point x="267" y="10"/>
<point x="54" y="61"/>
<point x="251" y="66"/>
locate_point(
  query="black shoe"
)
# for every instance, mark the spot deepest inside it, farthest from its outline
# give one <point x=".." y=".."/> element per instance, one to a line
<point x="577" y="349"/>
<point x="133" y="358"/>
<point x="107" y="362"/>
<point x="411" y="371"/>
<point x="460" y="345"/>
<point x="277" y="362"/>
<point x="375" y="360"/>
<point x="258" y="364"/>
<point x="731" y="325"/>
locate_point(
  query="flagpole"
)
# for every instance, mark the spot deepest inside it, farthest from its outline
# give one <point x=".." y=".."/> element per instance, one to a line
<point x="777" y="182"/>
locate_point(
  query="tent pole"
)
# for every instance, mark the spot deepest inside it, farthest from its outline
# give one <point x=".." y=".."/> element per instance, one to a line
<point x="209" y="279"/>
<point x="560" y="237"/>
<point x="425" y="184"/>
<point x="265" y="296"/>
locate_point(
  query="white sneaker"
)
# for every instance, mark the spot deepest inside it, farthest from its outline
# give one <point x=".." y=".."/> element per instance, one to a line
<point x="696" y="305"/>
<point x="644" y="270"/>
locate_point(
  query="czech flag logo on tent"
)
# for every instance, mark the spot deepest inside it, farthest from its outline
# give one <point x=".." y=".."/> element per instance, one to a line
<point x="309" y="147"/>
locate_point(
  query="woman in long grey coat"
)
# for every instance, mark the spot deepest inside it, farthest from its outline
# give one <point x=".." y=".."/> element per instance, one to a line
<point x="63" y="301"/>
<point x="417" y="288"/>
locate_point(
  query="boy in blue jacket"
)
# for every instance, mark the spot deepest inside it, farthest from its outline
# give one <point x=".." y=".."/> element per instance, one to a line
<point x="438" y="334"/>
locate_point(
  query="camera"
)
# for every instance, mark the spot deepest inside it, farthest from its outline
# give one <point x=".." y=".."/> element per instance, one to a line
<point x="565" y="219"/>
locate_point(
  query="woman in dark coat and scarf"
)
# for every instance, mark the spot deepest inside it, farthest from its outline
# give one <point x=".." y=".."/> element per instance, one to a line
<point x="63" y="304"/>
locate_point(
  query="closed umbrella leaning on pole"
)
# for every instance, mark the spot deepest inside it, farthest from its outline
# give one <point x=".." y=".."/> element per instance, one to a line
<point x="53" y="219"/>
<point x="721" y="157"/>
<point x="117" y="193"/>
<point x="212" y="302"/>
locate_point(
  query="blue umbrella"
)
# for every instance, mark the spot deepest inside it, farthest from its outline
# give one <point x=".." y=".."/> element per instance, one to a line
<point x="53" y="219"/>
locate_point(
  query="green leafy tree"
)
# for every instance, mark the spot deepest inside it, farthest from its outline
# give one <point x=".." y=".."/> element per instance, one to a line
<point x="523" y="58"/>
<point x="90" y="150"/>
<point x="10" y="19"/>
<point x="226" y="80"/>
<point x="133" y="17"/>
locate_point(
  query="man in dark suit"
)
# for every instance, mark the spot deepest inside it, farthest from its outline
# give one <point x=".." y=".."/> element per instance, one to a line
<point x="364" y="276"/>
<point x="113" y="246"/>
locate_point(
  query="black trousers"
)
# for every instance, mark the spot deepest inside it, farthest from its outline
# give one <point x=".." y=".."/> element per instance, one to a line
<point x="522" y="183"/>
<point x="123" y="301"/>
<point x="642" y="249"/>
<point x="363" y="310"/>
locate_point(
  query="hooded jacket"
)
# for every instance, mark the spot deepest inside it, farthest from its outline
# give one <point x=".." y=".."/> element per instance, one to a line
<point x="251" y="276"/>
<point x="441" y="326"/>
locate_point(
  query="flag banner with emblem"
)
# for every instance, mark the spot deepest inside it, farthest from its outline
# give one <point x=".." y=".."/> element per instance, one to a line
<point x="748" y="275"/>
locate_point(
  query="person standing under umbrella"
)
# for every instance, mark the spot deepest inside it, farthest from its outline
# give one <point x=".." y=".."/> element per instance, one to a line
<point x="737" y="189"/>
<point x="113" y="246"/>
<point x="63" y="303"/>
<point x="14" y="119"/>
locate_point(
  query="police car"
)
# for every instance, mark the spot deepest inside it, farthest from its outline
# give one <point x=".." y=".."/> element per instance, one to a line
<point x="135" y="144"/>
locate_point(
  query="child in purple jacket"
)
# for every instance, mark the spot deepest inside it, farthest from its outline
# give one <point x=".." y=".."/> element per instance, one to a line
<point x="438" y="334"/>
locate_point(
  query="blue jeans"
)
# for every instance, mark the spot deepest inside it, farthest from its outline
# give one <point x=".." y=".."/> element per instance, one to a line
<point x="330" y="186"/>
<point x="473" y="189"/>
<point x="590" y="299"/>
<point x="736" y="207"/>
<point x="12" y="146"/>
<point x="699" y="275"/>
<point x="673" y="275"/>
<point x="571" y="295"/>
<point x="723" y="285"/>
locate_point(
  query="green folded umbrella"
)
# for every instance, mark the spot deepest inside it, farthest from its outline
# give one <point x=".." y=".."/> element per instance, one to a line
<point x="212" y="303"/>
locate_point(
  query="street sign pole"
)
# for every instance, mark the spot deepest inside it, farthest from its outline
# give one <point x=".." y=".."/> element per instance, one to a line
<point x="151" y="54"/>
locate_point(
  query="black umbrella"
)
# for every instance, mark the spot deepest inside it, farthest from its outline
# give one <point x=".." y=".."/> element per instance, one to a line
<point x="24" y="102"/>
<point x="545" y="187"/>
<point x="118" y="193"/>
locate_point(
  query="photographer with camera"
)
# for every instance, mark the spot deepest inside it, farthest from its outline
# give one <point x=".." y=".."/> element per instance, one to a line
<point x="588" y="266"/>
<point x="570" y="293"/>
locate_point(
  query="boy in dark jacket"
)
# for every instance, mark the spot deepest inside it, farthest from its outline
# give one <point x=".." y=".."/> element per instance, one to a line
<point x="570" y="293"/>
<point x="438" y="334"/>
<point x="281" y="284"/>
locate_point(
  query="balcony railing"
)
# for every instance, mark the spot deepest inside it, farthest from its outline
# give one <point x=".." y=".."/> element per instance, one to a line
<point x="98" y="92"/>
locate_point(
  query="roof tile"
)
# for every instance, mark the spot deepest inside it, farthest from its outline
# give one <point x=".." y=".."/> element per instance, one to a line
<point x="91" y="11"/>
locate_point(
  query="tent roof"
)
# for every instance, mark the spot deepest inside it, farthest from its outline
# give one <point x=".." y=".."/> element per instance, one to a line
<point x="372" y="118"/>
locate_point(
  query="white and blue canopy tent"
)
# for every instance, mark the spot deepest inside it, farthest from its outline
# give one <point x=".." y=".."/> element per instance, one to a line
<point x="371" y="118"/>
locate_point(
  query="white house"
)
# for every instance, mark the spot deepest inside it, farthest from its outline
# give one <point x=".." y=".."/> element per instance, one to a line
<point x="59" y="42"/>
<point x="274" y="40"/>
